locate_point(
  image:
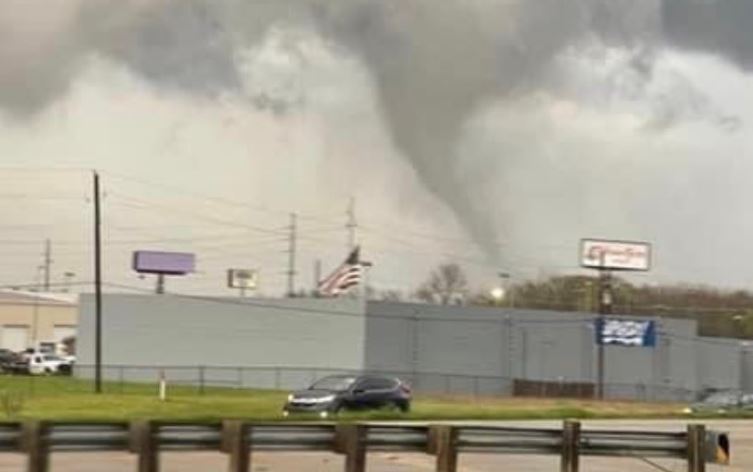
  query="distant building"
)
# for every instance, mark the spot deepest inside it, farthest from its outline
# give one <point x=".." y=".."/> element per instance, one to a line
<point x="27" y="318"/>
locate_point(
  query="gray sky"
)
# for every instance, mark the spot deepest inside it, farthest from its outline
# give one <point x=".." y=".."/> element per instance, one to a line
<point x="492" y="133"/>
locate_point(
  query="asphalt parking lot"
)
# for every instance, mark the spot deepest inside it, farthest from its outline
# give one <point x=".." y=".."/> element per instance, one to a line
<point x="741" y="433"/>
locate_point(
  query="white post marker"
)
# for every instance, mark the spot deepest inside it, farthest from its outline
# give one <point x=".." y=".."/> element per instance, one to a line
<point x="162" y="386"/>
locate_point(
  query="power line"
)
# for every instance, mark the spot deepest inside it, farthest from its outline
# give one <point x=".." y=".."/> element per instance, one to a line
<point x="213" y="198"/>
<point x="145" y="205"/>
<point x="35" y="170"/>
<point x="351" y="221"/>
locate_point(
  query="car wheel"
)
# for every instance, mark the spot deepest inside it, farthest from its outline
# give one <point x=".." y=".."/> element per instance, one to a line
<point x="394" y="407"/>
<point x="404" y="407"/>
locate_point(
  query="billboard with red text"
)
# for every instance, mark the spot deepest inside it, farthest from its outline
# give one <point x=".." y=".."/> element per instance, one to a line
<point x="615" y="255"/>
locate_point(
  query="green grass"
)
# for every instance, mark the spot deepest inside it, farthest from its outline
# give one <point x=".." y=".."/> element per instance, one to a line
<point x="63" y="398"/>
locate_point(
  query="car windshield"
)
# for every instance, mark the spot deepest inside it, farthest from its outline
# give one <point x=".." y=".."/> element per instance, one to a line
<point x="721" y="398"/>
<point x="336" y="384"/>
<point x="52" y="358"/>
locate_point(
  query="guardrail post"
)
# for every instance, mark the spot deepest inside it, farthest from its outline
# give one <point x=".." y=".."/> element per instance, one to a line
<point x="236" y="443"/>
<point x="144" y="442"/>
<point x="36" y="446"/>
<point x="570" y="447"/>
<point x="696" y="448"/>
<point x="350" y="440"/>
<point x="443" y="444"/>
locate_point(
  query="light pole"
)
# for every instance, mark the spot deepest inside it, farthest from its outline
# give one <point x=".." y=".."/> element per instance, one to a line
<point x="498" y="294"/>
<point x="508" y="292"/>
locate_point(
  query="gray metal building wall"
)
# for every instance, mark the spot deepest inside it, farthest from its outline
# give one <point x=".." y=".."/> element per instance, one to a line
<point x="158" y="331"/>
<point x="746" y="368"/>
<point x="719" y="362"/>
<point x="480" y="350"/>
<point x="288" y="343"/>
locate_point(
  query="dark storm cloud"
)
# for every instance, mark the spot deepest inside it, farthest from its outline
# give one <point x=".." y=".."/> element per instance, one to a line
<point x="721" y="27"/>
<point x="433" y="62"/>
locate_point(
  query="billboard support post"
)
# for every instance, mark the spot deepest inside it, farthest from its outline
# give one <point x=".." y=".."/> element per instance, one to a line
<point x="606" y="256"/>
<point x="163" y="264"/>
<point x="160" y="284"/>
<point x="605" y="308"/>
<point x="243" y="280"/>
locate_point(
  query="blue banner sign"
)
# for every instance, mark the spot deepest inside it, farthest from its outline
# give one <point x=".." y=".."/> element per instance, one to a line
<point x="623" y="332"/>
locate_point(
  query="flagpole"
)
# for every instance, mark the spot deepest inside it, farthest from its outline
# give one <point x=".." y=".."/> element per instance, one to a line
<point x="365" y="288"/>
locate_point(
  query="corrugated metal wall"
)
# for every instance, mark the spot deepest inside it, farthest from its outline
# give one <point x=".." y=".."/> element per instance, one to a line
<point x="288" y="343"/>
<point x="178" y="331"/>
<point x="498" y="345"/>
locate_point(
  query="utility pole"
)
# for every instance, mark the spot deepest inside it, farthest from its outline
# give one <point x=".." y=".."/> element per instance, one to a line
<point x="47" y="264"/>
<point x="351" y="225"/>
<point x="35" y="312"/>
<point x="317" y="274"/>
<point x="293" y="228"/>
<point x="605" y="308"/>
<point x="97" y="286"/>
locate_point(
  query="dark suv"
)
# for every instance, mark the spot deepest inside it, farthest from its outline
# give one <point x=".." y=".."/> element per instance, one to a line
<point x="330" y="395"/>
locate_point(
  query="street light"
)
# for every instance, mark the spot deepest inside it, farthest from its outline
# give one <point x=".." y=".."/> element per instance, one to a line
<point x="505" y="287"/>
<point x="498" y="294"/>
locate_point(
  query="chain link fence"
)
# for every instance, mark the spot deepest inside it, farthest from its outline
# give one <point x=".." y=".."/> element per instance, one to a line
<point x="198" y="380"/>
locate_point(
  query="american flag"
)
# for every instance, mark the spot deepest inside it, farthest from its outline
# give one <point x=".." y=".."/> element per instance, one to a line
<point x="348" y="275"/>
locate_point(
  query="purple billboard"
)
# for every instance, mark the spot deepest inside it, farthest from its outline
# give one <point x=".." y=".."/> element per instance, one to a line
<point x="160" y="262"/>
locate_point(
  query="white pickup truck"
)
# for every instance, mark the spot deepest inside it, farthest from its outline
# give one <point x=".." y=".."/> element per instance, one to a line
<point x="41" y="363"/>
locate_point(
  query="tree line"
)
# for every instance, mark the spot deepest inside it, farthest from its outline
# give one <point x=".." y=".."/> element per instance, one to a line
<point x="722" y="313"/>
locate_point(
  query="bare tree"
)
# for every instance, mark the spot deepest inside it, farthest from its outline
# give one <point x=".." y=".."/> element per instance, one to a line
<point x="392" y="295"/>
<point x="445" y="284"/>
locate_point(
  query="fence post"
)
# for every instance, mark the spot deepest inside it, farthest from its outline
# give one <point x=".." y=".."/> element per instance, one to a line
<point x="696" y="448"/>
<point x="144" y="443"/>
<point x="237" y="444"/>
<point x="36" y="446"/>
<point x="201" y="380"/>
<point x="350" y="440"/>
<point x="570" y="447"/>
<point x="443" y="444"/>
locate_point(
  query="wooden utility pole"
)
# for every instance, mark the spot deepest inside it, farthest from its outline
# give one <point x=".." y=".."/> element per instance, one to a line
<point x="97" y="286"/>
<point x="47" y="264"/>
<point x="293" y="228"/>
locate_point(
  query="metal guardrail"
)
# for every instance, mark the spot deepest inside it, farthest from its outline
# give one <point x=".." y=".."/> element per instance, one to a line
<point x="240" y="440"/>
